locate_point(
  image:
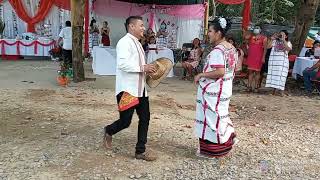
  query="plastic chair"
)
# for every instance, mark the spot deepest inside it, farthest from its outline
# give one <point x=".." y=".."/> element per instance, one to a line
<point x="292" y="58"/>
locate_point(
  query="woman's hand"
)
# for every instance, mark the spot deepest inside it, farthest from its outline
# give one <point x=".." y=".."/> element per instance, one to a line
<point x="283" y="36"/>
<point x="274" y="36"/>
<point x="197" y="78"/>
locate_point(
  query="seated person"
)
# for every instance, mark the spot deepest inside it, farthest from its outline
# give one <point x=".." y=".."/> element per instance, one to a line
<point x="184" y="57"/>
<point x="311" y="74"/>
<point x="310" y="52"/>
<point x="193" y="59"/>
<point x="240" y="55"/>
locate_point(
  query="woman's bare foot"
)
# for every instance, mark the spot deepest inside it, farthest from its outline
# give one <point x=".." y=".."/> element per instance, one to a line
<point x="249" y="89"/>
<point x="282" y="94"/>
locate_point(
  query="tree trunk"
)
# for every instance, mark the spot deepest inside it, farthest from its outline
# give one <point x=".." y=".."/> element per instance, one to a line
<point x="214" y="9"/>
<point x="305" y="19"/>
<point x="77" y="14"/>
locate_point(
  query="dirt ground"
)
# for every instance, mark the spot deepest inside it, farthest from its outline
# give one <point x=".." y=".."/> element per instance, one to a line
<point x="51" y="132"/>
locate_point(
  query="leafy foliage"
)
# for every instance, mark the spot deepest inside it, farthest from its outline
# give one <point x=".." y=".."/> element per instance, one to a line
<point x="263" y="11"/>
<point x="275" y="11"/>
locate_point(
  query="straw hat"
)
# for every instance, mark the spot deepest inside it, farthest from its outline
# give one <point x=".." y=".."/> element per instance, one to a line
<point x="163" y="66"/>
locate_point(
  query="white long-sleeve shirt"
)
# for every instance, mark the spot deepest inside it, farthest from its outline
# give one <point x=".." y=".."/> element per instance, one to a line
<point x="66" y="35"/>
<point x="130" y="61"/>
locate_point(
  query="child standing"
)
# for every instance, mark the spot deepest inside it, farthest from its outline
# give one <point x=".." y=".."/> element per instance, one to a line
<point x="152" y="50"/>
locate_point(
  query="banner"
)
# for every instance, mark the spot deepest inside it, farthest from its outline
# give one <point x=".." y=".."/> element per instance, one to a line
<point x="113" y="8"/>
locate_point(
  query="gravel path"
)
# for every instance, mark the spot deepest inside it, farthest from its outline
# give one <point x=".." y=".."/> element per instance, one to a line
<point x="47" y="132"/>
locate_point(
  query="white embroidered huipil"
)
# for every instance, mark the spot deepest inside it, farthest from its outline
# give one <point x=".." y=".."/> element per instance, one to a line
<point x="130" y="61"/>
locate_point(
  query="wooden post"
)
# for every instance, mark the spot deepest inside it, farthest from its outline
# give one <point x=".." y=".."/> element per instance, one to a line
<point x="214" y="8"/>
<point x="77" y="14"/>
<point x="206" y="19"/>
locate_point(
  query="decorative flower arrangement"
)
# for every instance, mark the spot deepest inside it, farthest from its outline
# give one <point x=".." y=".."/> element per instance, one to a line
<point x="56" y="53"/>
<point x="64" y="74"/>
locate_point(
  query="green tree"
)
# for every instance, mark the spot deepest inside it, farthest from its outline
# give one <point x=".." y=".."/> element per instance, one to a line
<point x="263" y="11"/>
<point x="275" y="11"/>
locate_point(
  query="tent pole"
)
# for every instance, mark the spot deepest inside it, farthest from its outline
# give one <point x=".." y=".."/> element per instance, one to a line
<point x="206" y="19"/>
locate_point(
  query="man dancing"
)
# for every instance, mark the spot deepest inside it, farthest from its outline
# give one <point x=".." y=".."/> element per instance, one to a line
<point x="130" y="87"/>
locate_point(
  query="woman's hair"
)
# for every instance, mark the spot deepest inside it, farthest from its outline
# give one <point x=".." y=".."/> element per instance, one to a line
<point x="105" y="22"/>
<point x="68" y="23"/>
<point x="92" y="21"/>
<point x="220" y="24"/>
<point x="198" y="41"/>
<point x="232" y="39"/>
<point x="286" y="33"/>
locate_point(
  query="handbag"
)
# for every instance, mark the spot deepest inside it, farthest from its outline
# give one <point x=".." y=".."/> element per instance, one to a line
<point x="127" y="101"/>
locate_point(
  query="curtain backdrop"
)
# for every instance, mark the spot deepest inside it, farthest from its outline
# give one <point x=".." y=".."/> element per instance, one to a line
<point x="115" y="8"/>
<point x="14" y="25"/>
<point x="44" y="8"/>
<point x="186" y="29"/>
<point x="31" y="14"/>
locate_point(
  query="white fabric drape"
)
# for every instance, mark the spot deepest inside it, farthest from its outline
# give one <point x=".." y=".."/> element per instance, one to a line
<point x="188" y="29"/>
<point x="14" y="25"/>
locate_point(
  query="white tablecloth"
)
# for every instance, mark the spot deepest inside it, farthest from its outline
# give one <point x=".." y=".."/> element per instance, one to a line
<point x="301" y="64"/>
<point x="166" y="53"/>
<point x="104" y="60"/>
<point x="26" y="50"/>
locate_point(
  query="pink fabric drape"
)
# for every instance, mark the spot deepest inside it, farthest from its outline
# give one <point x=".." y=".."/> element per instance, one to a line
<point x="231" y="1"/>
<point x="151" y="20"/>
<point x="63" y="4"/>
<point x="115" y="8"/>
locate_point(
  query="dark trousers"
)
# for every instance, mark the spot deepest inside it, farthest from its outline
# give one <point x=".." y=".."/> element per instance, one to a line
<point x="143" y="112"/>
<point x="67" y="57"/>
